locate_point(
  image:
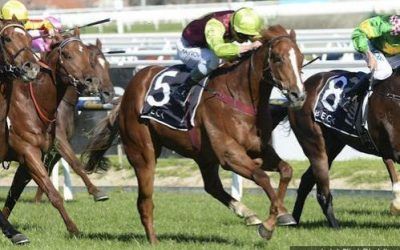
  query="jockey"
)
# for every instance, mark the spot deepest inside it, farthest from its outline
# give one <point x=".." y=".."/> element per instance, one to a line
<point x="36" y="27"/>
<point x="204" y="41"/>
<point x="378" y="38"/>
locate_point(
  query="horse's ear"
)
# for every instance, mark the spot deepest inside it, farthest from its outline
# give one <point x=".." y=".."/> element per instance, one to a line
<point x="14" y="19"/>
<point x="56" y="39"/>
<point x="77" y="32"/>
<point x="292" y="35"/>
<point x="99" y="44"/>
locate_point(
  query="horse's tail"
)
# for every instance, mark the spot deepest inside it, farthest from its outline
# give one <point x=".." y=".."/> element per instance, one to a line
<point x="101" y="140"/>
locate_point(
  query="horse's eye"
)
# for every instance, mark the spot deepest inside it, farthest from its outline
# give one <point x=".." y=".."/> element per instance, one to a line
<point x="6" y="39"/>
<point x="276" y="59"/>
<point x="66" y="55"/>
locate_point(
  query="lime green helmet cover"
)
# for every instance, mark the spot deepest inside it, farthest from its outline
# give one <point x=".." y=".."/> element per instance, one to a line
<point x="247" y="21"/>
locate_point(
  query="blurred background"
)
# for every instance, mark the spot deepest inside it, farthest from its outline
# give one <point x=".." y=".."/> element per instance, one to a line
<point x="146" y="30"/>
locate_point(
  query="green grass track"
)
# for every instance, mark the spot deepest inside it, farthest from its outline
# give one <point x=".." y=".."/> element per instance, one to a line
<point x="194" y="220"/>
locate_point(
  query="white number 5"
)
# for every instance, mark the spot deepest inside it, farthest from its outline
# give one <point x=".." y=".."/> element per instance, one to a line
<point x="160" y="84"/>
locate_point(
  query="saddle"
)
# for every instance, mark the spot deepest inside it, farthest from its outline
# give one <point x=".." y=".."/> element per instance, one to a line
<point x="350" y="119"/>
<point x="161" y="106"/>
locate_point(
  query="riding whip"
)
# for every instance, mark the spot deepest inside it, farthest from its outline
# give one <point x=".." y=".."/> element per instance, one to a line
<point x="79" y="27"/>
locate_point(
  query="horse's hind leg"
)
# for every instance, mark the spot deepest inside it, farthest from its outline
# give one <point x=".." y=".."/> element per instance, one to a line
<point x="21" y="179"/>
<point x="273" y="162"/>
<point x="213" y="186"/>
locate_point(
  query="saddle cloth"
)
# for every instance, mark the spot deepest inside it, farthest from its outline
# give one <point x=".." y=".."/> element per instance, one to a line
<point x="350" y="120"/>
<point x="159" y="104"/>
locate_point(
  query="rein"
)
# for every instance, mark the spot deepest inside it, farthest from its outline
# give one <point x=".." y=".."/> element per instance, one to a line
<point x="42" y="116"/>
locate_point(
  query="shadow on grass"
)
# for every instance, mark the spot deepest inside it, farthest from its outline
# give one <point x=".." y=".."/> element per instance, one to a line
<point x="141" y="238"/>
<point x="345" y="224"/>
<point x="367" y="212"/>
<point x="28" y="227"/>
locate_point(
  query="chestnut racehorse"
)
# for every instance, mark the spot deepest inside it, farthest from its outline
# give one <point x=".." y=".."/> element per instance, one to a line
<point x="227" y="134"/>
<point x="322" y="144"/>
<point x="17" y="63"/>
<point x="66" y="115"/>
<point x="32" y="113"/>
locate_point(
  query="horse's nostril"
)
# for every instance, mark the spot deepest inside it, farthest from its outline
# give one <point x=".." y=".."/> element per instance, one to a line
<point x="295" y="95"/>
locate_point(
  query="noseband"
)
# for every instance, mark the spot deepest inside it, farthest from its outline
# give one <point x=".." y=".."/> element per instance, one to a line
<point x="8" y="68"/>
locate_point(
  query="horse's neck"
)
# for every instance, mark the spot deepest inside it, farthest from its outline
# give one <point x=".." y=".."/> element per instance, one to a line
<point x="243" y="81"/>
<point x="71" y="95"/>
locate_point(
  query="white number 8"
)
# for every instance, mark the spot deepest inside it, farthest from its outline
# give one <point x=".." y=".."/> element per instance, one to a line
<point x="334" y="90"/>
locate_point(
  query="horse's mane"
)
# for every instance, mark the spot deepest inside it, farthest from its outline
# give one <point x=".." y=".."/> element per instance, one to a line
<point x="272" y="32"/>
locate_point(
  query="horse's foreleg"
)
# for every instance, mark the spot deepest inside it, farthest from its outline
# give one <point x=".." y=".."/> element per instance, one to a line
<point x="21" y="179"/>
<point x="307" y="181"/>
<point x="66" y="151"/>
<point x="51" y="159"/>
<point x="234" y="157"/>
<point x="40" y="176"/>
<point x="311" y="139"/>
<point x="213" y="186"/>
<point x="272" y="162"/>
<point x="10" y="232"/>
<point x="395" y="204"/>
<point x="324" y="196"/>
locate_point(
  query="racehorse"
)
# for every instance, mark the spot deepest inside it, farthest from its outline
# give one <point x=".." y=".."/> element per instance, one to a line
<point x="233" y="136"/>
<point x="17" y="62"/>
<point x="32" y="114"/>
<point x="322" y="144"/>
<point x="66" y="115"/>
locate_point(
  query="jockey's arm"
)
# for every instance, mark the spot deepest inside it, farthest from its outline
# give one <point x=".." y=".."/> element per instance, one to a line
<point x="214" y="33"/>
<point x="369" y="29"/>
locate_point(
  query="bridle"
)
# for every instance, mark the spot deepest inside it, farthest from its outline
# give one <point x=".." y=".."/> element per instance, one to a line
<point x="7" y="67"/>
<point x="70" y="78"/>
<point x="267" y="72"/>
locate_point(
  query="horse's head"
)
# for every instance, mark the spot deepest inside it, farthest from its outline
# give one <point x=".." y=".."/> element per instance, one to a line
<point x="283" y="63"/>
<point x="16" y="54"/>
<point x="101" y="66"/>
<point x="73" y="65"/>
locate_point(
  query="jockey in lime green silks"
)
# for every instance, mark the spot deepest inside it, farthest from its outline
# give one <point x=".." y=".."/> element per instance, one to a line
<point x="378" y="39"/>
<point x="204" y="41"/>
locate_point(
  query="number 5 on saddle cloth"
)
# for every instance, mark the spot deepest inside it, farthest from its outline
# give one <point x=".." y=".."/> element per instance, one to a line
<point x="161" y="107"/>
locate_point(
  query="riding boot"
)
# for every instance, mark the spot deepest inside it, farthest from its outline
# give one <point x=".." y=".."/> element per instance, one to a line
<point x="180" y="94"/>
<point x="354" y="92"/>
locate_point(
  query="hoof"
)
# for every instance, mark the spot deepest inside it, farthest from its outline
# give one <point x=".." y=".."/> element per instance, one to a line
<point x="19" y="239"/>
<point x="264" y="232"/>
<point x="252" y="220"/>
<point x="286" y="220"/>
<point x="100" y="196"/>
<point x="394" y="208"/>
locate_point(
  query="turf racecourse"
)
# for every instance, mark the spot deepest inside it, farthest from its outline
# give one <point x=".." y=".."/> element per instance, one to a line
<point x="194" y="220"/>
